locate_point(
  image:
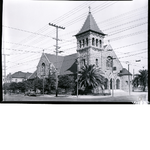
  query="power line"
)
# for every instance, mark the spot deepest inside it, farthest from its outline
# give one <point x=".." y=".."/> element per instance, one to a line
<point x="23" y="45"/>
<point x="71" y="11"/>
<point x="69" y="40"/>
<point x="131" y="27"/>
<point x="130" y="45"/>
<point x="132" y="55"/>
<point x="74" y="20"/>
<point x="127" y="28"/>
<point x="128" y="35"/>
<point x="120" y="38"/>
<point x="26" y="31"/>
<point x="111" y="39"/>
<point x="124" y="14"/>
<point x="103" y="56"/>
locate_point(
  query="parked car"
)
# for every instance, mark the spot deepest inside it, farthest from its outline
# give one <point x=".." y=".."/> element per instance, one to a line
<point x="30" y="93"/>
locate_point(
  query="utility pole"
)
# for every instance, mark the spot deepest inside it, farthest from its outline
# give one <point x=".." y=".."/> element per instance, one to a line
<point x="5" y="70"/>
<point x="4" y="73"/>
<point x="112" y="77"/>
<point x="128" y="78"/>
<point x="132" y="80"/>
<point x="77" y="75"/>
<point x="43" y="84"/>
<point x="43" y="75"/>
<point x="56" y="53"/>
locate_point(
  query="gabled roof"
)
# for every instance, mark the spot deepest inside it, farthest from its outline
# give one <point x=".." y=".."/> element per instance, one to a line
<point x="66" y="64"/>
<point x="90" y="25"/>
<point x="52" y="59"/>
<point x="21" y="74"/>
<point x="33" y="75"/>
<point x="27" y="75"/>
<point x="69" y="65"/>
<point x="123" y="72"/>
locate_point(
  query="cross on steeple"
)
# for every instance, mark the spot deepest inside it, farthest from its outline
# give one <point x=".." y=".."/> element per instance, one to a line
<point x="89" y="9"/>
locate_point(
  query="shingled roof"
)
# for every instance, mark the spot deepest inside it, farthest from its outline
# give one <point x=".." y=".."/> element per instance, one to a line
<point x="21" y="74"/>
<point x="33" y="75"/>
<point x="90" y="25"/>
<point x="66" y="64"/>
<point x="69" y="65"/>
<point x="52" y="59"/>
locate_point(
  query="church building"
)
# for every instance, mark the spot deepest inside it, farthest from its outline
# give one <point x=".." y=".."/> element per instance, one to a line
<point x="91" y="49"/>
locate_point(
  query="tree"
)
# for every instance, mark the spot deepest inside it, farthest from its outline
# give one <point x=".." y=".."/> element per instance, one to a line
<point x="13" y="86"/>
<point x="50" y="82"/>
<point x="90" y="78"/>
<point x="66" y="82"/>
<point x="6" y="87"/>
<point x="38" y="84"/>
<point x="21" y="86"/>
<point x="141" y="79"/>
<point x="28" y="85"/>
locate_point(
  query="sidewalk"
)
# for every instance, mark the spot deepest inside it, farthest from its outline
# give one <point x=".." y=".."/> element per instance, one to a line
<point x="116" y="94"/>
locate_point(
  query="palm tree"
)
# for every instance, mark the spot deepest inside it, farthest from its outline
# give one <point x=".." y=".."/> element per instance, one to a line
<point x="90" y="78"/>
<point x="141" y="79"/>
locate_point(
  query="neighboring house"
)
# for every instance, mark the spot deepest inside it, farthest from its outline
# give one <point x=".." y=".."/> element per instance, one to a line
<point x="90" y="50"/>
<point x="17" y="77"/>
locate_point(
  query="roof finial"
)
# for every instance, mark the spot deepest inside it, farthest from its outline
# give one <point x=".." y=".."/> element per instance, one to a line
<point x="89" y="9"/>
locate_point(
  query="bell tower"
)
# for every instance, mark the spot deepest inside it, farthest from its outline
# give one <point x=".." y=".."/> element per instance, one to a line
<point x="90" y="41"/>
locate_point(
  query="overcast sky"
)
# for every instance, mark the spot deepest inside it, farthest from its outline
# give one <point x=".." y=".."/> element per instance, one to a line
<point x="26" y="31"/>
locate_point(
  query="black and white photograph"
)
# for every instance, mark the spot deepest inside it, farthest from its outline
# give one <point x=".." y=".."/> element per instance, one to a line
<point x="75" y="51"/>
<point x="74" y="75"/>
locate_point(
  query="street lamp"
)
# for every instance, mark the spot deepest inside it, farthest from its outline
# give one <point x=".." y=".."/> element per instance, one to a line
<point x="113" y="77"/>
<point x="133" y="70"/>
<point x="77" y="74"/>
<point x="128" y="76"/>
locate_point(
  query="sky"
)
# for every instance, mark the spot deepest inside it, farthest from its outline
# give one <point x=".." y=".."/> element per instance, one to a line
<point x="26" y="31"/>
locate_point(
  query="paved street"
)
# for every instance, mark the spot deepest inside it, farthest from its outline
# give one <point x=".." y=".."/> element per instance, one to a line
<point x="119" y="97"/>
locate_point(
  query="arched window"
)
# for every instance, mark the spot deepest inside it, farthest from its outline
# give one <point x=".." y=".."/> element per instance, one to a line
<point x="93" y="41"/>
<point x="96" y="62"/>
<point x="43" y="69"/>
<point x="83" y="62"/>
<point x="97" y="42"/>
<point x="109" y="61"/>
<point x="80" y="44"/>
<point x="106" y="83"/>
<point x="83" y="42"/>
<point x="87" y="42"/>
<point x="117" y="84"/>
<point x="100" y="43"/>
<point x="111" y="83"/>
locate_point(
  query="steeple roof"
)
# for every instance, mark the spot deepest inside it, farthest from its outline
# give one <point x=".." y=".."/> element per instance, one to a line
<point x="90" y="25"/>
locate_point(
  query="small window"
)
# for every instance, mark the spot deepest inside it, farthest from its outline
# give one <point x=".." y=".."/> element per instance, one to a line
<point x="114" y="68"/>
<point x="100" y="43"/>
<point x="83" y="42"/>
<point x="43" y="69"/>
<point x="80" y="44"/>
<point x="97" y="42"/>
<point x="109" y="61"/>
<point x="96" y="62"/>
<point x="83" y="62"/>
<point x="93" y="41"/>
<point x="87" y="42"/>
